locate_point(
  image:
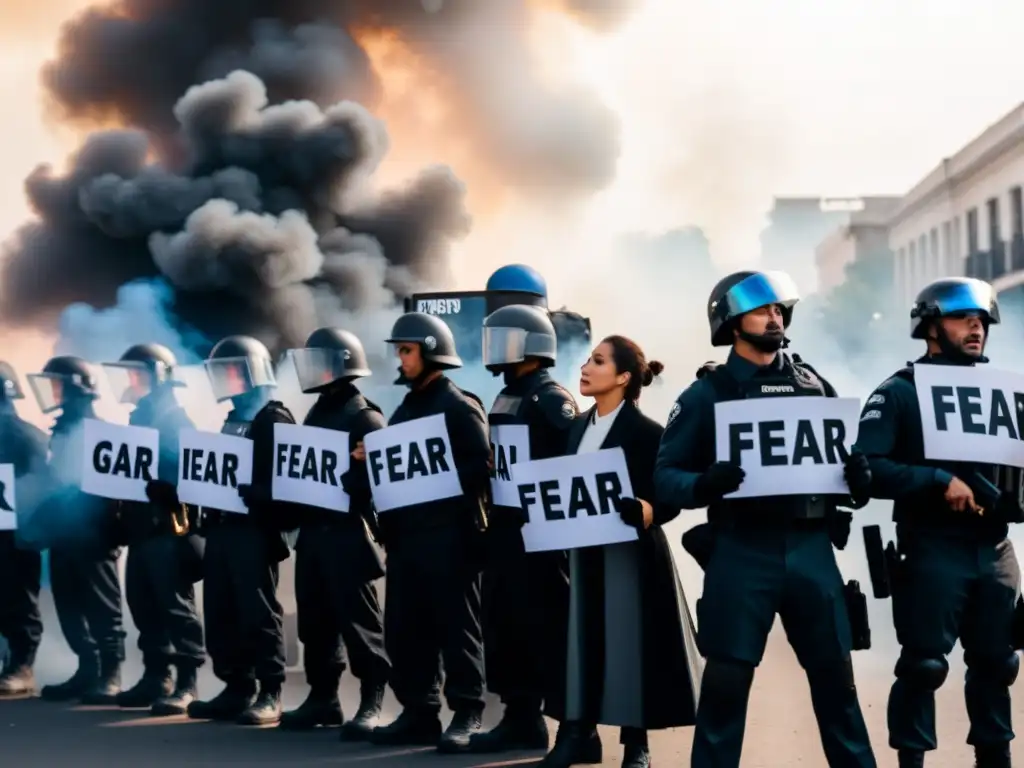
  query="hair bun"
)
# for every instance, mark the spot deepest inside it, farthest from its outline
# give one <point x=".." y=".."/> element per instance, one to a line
<point x="653" y="370"/>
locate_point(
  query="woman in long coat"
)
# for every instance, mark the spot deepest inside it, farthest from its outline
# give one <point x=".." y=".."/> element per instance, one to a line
<point x="632" y="658"/>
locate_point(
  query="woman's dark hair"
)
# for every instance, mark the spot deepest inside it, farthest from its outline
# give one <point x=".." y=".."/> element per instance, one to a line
<point x="629" y="358"/>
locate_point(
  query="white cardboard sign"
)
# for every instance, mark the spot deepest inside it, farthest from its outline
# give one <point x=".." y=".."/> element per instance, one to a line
<point x="510" y="445"/>
<point x="308" y="465"/>
<point x="118" y="460"/>
<point x="212" y="466"/>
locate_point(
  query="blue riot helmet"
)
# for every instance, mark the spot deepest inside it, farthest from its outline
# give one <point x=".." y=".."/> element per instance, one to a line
<point x="62" y="379"/>
<point x="141" y="369"/>
<point x="742" y="292"/>
<point x="10" y="389"/>
<point x="518" y="278"/>
<point x="237" y="365"/>
<point x="952" y="297"/>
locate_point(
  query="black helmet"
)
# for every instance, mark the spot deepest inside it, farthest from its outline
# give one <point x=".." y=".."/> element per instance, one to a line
<point x="237" y="365"/>
<point x="953" y="296"/>
<point x="10" y="389"/>
<point x="516" y="332"/>
<point x="62" y="378"/>
<point x="432" y="334"/>
<point x="742" y="292"/>
<point x="330" y="355"/>
<point x="140" y="369"/>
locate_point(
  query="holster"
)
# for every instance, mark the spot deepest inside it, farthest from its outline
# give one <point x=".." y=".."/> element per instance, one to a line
<point x="878" y="562"/>
<point x="839" y="523"/>
<point x="857" y="611"/>
<point x="699" y="542"/>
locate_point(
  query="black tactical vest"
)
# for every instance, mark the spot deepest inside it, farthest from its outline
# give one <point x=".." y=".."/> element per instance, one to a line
<point x="794" y="379"/>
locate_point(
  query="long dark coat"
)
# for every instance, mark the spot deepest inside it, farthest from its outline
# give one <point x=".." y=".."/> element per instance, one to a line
<point x="671" y="665"/>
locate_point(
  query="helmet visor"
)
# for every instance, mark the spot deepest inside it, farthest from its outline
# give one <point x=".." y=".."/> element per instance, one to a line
<point x="970" y="296"/>
<point x="48" y="389"/>
<point x="760" y="290"/>
<point x="503" y="346"/>
<point x="317" y="367"/>
<point x="234" y="376"/>
<point x="129" y="381"/>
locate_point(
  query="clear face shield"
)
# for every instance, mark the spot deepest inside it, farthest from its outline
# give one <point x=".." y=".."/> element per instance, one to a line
<point x="129" y="381"/>
<point x="760" y="290"/>
<point x="48" y="389"/>
<point x="503" y="346"/>
<point x="317" y="367"/>
<point x="234" y="376"/>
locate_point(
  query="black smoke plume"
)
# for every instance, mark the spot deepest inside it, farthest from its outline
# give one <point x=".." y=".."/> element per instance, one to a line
<point x="239" y="189"/>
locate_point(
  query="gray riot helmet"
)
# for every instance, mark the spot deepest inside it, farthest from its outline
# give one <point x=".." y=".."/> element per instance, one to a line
<point x="743" y="292"/>
<point x="141" y="369"/>
<point x="437" y="344"/>
<point x="330" y="355"/>
<point x="62" y="379"/>
<point x="517" y="332"/>
<point x="952" y="297"/>
<point x="238" y="365"/>
<point x="10" y="388"/>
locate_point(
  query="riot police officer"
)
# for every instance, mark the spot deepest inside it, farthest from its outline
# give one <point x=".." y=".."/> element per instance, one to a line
<point x="24" y="447"/>
<point x="525" y="595"/>
<point x="957" y="576"/>
<point x="242" y="616"/>
<point x="80" y="532"/>
<point x="770" y="555"/>
<point x="337" y="560"/>
<point x="433" y="591"/>
<point x="164" y="555"/>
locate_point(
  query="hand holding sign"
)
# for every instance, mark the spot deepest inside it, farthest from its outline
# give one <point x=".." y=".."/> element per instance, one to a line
<point x="635" y="512"/>
<point x="717" y="481"/>
<point x="960" y="496"/>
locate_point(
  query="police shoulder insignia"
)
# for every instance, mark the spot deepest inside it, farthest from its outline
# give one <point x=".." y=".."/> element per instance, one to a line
<point x="568" y="410"/>
<point x="871" y="415"/>
<point x="676" y="408"/>
<point x="876" y="399"/>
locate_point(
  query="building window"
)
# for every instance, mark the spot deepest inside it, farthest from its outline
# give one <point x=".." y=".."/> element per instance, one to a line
<point x="1017" y="211"/>
<point x="972" y="231"/>
<point x="933" y="251"/>
<point x="958" y="247"/>
<point x="948" y="249"/>
<point x="995" y="236"/>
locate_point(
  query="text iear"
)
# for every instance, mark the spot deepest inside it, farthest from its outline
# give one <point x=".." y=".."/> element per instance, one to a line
<point x="134" y="462"/>
<point x="548" y="493"/>
<point x="306" y="462"/>
<point x="409" y="460"/>
<point x="504" y="457"/>
<point x="773" y="450"/>
<point x="203" y="466"/>
<point x="969" y="404"/>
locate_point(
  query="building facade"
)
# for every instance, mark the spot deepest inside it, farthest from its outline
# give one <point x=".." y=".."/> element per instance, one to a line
<point x="866" y="233"/>
<point x="967" y="216"/>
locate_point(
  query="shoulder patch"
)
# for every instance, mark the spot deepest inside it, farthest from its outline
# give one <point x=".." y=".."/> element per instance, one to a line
<point x="676" y="408"/>
<point x="568" y="410"/>
<point x="876" y="399"/>
<point x="871" y="415"/>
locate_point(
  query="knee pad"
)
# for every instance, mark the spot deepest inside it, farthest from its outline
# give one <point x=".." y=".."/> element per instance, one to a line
<point x="1000" y="671"/>
<point x="926" y="673"/>
<point x="726" y="681"/>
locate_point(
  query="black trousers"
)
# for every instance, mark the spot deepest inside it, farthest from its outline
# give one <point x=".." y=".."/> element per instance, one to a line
<point x="432" y="614"/>
<point x="340" y="620"/>
<point x="159" y="578"/>
<point x="752" y="576"/>
<point x="951" y="587"/>
<point x="522" y="595"/>
<point x="20" y="622"/>
<point x="244" y="621"/>
<point x="87" y="595"/>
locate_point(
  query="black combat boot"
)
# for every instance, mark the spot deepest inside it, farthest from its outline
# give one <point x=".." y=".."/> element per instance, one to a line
<point x="635" y="756"/>
<point x="412" y="728"/>
<point x="85" y="677"/>
<point x="184" y="693"/>
<point x="466" y="723"/>
<point x="155" y="683"/>
<point x="575" y="744"/>
<point x="360" y="727"/>
<point x="266" y="710"/>
<point x="910" y="758"/>
<point x="521" y="728"/>
<point x="229" y="704"/>
<point x="992" y="756"/>
<point x="321" y="707"/>
<point x="17" y="679"/>
<point x="108" y="684"/>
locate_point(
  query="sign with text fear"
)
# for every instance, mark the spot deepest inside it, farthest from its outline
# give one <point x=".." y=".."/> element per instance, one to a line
<point x="308" y="465"/>
<point x="118" y="460"/>
<point x="971" y="413"/>
<point x="570" y="500"/>
<point x="411" y="464"/>
<point x="788" y="445"/>
<point x="211" y="467"/>
<point x="8" y="504"/>
<point x="510" y="445"/>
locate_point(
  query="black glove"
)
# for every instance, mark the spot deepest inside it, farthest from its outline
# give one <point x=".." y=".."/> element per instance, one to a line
<point x="631" y="511"/>
<point x="253" y="495"/>
<point x="162" y="493"/>
<point x="720" y="479"/>
<point x="839" y="525"/>
<point x="857" y="473"/>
